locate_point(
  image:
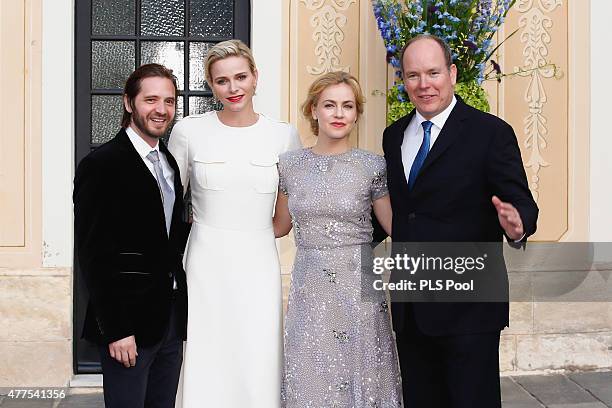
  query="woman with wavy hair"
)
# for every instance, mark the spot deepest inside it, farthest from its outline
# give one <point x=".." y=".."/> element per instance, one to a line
<point x="339" y="348"/>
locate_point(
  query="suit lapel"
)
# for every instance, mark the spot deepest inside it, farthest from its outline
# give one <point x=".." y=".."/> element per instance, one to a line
<point x="142" y="171"/>
<point x="448" y="135"/>
<point x="142" y="174"/>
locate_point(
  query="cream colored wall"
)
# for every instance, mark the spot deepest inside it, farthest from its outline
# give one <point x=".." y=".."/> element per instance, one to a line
<point x="267" y="42"/>
<point x="35" y="302"/>
<point x="58" y="132"/>
<point x="20" y="155"/>
<point x="12" y="122"/>
<point x="323" y="37"/>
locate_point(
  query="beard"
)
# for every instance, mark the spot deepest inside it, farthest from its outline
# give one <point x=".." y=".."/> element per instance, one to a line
<point x="141" y="122"/>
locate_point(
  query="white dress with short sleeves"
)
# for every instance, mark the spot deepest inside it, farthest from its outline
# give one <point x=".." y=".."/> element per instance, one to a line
<point x="233" y="353"/>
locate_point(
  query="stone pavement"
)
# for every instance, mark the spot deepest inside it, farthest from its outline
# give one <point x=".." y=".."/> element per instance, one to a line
<point x="581" y="390"/>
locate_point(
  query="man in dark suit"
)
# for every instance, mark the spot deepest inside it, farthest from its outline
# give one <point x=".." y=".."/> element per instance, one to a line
<point x="455" y="174"/>
<point x="130" y="236"/>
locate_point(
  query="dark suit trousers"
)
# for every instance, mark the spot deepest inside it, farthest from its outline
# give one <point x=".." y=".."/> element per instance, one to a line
<point x="153" y="381"/>
<point x="458" y="371"/>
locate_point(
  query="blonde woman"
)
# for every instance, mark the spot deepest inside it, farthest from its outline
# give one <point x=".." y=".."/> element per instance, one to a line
<point x="339" y="348"/>
<point x="229" y="158"/>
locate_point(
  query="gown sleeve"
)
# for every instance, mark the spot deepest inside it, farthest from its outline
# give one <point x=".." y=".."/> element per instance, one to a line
<point x="179" y="147"/>
<point x="379" y="179"/>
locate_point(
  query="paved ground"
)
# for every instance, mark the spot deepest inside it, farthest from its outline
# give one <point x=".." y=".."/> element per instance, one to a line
<point x="584" y="390"/>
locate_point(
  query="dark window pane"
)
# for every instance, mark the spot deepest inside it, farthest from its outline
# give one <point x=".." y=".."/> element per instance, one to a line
<point x="180" y="109"/>
<point x="169" y="54"/>
<point x="112" y="17"/>
<point x="106" y="112"/>
<point x="162" y="17"/>
<point x="201" y="104"/>
<point x="111" y="63"/>
<point x="197" y="54"/>
<point x="212" y="18"/>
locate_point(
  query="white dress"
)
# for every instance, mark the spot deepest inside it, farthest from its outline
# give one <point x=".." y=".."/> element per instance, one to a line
<point x="233" y="354"/>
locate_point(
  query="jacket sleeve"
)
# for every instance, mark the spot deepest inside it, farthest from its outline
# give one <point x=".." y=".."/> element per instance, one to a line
<point x="507" y="179"/>
<point x="97" y="251"/>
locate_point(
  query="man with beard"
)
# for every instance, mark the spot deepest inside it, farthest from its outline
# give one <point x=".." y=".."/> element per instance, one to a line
<point x="130" y="236"/>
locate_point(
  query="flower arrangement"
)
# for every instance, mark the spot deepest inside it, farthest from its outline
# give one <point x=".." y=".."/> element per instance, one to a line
<point x="468" y="26"/>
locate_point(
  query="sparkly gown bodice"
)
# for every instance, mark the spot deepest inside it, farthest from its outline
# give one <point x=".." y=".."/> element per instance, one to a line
<point x="331" y="196"/>
<point x="339" y="348"/>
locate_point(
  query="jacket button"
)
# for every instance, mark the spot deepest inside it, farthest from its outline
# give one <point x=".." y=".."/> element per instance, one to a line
<point x="411" y="216"/>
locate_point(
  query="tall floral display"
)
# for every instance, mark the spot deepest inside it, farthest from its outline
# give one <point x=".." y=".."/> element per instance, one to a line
<point x="468" y="26"/>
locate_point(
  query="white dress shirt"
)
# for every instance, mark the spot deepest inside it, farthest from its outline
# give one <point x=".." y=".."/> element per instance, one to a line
<point x="144" y="149"/>
<point x="413" y="135"/>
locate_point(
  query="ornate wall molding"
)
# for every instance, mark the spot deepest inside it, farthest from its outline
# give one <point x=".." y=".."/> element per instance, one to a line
<point x="535" y="27"/>
<point x="328" y="22"/>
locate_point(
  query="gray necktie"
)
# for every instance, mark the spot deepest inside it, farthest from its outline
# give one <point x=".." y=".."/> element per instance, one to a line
<point x="165" y="190"/>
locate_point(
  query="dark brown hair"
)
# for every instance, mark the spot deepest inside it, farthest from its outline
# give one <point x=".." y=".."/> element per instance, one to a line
<point x="132" y="86"/>
<point x="443" y="45"/>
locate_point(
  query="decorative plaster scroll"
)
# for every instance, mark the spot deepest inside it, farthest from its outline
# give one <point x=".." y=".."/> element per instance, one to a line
<point x="536" y="37"/>
<point x="328" y="35"/>
<point x="545" y="5"/>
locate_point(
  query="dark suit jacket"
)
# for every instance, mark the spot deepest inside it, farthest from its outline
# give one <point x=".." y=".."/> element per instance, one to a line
<point x="126" y="257"/>
<point x="475" y="157"/>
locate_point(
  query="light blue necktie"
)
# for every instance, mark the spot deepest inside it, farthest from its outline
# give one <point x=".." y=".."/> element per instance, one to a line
<point x="421" y="154"/>
<point x="167" y="195"/>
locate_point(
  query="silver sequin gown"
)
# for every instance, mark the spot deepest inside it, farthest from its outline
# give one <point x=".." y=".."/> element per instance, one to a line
<point x="339" y="349"/>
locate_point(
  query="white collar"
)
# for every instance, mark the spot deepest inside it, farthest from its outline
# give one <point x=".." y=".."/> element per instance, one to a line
<point x="142" y="147"/>
<point x="440" y="119"/>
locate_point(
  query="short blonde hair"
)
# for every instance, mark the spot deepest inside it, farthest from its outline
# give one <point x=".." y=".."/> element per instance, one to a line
<point x="225" y="49"/>
<point x="320" y="84"/>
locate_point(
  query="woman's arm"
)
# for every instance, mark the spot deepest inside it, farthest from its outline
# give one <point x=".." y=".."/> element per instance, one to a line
<point x="282" y="219"/>
<point x="383" y="212"/>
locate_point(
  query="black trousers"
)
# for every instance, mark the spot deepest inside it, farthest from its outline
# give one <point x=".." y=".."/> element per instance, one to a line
<point x="153" y="381"/>
<point x="459" y="371"/>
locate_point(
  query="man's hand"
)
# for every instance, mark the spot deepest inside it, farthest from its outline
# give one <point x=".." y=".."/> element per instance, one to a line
<point x="509" y="219"/>
<point x="124" y="351"/>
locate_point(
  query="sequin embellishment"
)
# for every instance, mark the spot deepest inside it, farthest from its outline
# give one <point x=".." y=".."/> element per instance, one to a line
<point x="342" y="336"/>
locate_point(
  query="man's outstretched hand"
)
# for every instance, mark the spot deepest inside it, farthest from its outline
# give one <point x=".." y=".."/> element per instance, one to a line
<point x="509" y="219"/>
